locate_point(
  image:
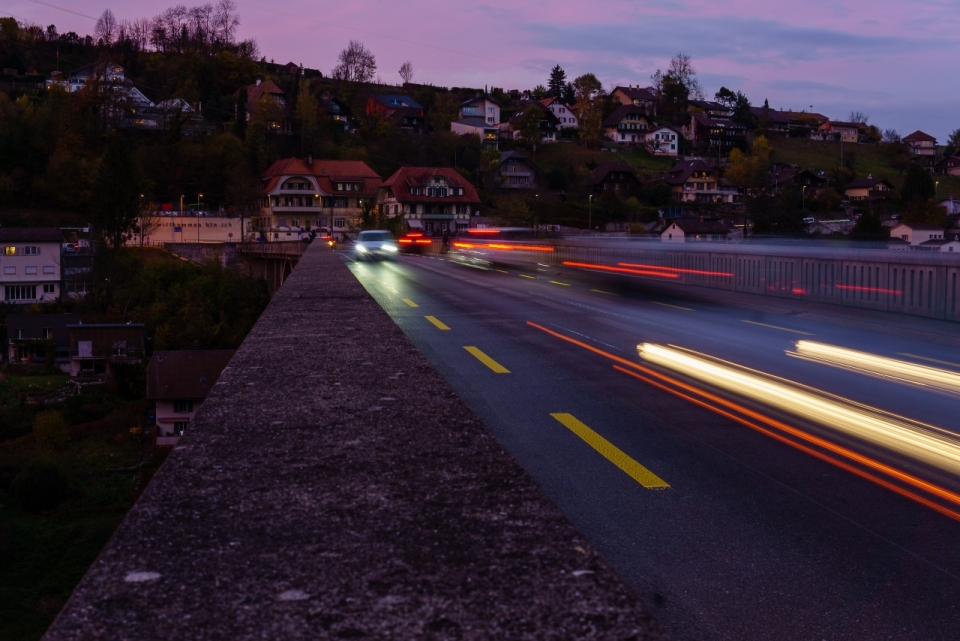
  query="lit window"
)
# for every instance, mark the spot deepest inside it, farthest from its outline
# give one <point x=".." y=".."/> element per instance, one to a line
<point x="10" y="251"/>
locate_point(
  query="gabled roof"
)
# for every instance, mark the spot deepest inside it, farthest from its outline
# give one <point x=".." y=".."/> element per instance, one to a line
<point x="28" y="234"/>
<point x="846" y="125"/>
<point x="479" y="99"/>
<point x="621" y="112"/>
<point x="326" y="173"/>
<point x="407" y="112"/>
<point x="694" y="226"/>
<point x="774" y="116"/>
<point x="475" y="122"/>
<point x="707" y="121"/>
<point x="921" y="226"/>
<point x="708" y="105"/>
<point x="919" y="136"/>
<point x="185" y="374"/>
<point x="794" y="116"/>
<point x="860" y="183"/>
<point x="603" y="169"/>
<point x="406" y="177"/>
<point x="636" y="93"/>
<point x="682" y="171"/>
<point x="516" y="155"/>
<point x="255" y="92"/>
<point x="396" y="101"/>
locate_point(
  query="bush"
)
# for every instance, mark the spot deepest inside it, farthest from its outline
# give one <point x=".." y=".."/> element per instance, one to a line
<point x="39" y="486"/>
<point x="50" y="430"/>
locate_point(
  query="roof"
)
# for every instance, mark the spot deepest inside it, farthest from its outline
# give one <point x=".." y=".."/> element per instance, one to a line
<point x="406" y="112"/>
<point x="326" y="173"/>
<point x="770" y="114"/>
<point x="475" y="122"/>
<point x="693" y="226"/>
<point x="636" y="93"/>
<point x="603" y="169"/>
<point x="860" y="183"/>
<point x="682" y="171"/>
<point x="848" y="125"/>
<point x="516" y="155"/>
<point x="708" y="105"/>
<point x="622" y="112"/>
<point x="919" y="136"/>
<point x="25" y="234"/>
<point x="104" y="325"/>
<point x="803" y="115"/>
<point x="406" y="177"/>
<point x="397" y="100"/>
<point x="707" y="121"/>
<point x="938" y="241"/>
<point x="255" y="92"/>
<point x="479" y="98"/>
<point x="185" y="374"/>
<point x="921" y="226"/>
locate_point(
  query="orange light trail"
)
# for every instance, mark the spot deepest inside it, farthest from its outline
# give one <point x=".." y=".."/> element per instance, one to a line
<point x="678" y="270"/>
<point x="875" y="290"/>
<point x="837" y="449"/>
<point x="621" y="270"/>
<point x="500" y="246"/>
<point x="476" y="230"/>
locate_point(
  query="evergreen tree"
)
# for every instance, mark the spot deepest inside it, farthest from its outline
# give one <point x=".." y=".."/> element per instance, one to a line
<point x="557" y="82"/>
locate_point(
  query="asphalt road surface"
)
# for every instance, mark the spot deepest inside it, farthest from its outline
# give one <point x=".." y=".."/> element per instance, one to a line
<point x="732" y="519"/>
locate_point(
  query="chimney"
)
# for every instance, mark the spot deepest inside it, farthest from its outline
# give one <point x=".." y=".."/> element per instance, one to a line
<point x="310" y="160"/>
<point x="258" y="82"/>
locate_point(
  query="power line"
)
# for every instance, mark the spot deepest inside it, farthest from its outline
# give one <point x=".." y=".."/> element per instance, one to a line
<point x="53" y="6"/>
<point x="381" y="35"/>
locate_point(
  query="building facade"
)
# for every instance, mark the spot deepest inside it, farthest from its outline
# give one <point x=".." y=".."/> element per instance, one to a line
<point x="429" y="199"/>
<point x="40" y="338"/>
<point x="484" y="108"/>
<point x="30" y="264"/>
<point x="93" y="348"/>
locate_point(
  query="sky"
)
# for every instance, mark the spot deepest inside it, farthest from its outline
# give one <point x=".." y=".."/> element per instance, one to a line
<point x="898" y="61"/>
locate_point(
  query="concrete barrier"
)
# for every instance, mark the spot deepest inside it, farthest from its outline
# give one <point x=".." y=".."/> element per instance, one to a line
<point x="334" y="485"/>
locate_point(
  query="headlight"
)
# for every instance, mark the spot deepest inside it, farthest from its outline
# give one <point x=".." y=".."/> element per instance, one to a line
<point x="360" y="248"/>
<point x="389" y="247"/>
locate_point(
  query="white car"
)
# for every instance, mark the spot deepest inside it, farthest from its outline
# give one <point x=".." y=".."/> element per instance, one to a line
<point x="373" y="245"/>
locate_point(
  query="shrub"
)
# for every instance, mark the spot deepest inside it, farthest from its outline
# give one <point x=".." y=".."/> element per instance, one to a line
<point x="50" y="430"/>
<point x="40" y="485"/>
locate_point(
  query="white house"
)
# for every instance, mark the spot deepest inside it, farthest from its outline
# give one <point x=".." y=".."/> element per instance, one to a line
<point x="916" y="233"/>
<point x="30" y="264"/>
<point x="690" y="230"/>
<point x="952" y="206"/>
<point x="489" y="134"/>
<point x="565" y="115"/>
<point x="663" y="141"/>
<point x="939" y="245"/>
<point x="483" y="107"/>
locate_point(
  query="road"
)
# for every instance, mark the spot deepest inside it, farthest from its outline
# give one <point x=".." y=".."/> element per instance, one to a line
<point x="726" y="527"/>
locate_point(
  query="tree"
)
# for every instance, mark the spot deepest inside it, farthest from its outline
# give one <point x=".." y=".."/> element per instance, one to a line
<point x="569" y="94"/>
<point x="859" y="116"/>
<point x="530" y="125"/>
<point x="356" y="63"/>
<point x="106" y="27"/>
<point x="443" y="111"/>
<point x="891" y="136"/>
<point x="50" y="431"/>
<point x="869" y="226"/>
<point x="589" y="94"/>
<point x="916" y="197"/>
<point x="116" y="196"/>
<point x="242" y="114"/>
<point x="557" y="82"/>
<point x="539" y="92"/>
<point x="406" y="72"/>
<point x="953" y="143"/>
<point x="306" y="112"/>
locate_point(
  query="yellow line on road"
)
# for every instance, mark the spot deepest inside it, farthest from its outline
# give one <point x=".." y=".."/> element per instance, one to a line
<point x="600" y="291"/>
<point x="782" y="329"/>
<point x="503" y="271"/>
<point x="612" y="453"/>
<point x="437" y="323"/>
<point x="686" y="309"/>
<point x="526" y="276"/>
<point x="932" y="360"/>
<point x="410" y="302"/>
<point x="486" y="360"/>
<point x="556" y="282"/>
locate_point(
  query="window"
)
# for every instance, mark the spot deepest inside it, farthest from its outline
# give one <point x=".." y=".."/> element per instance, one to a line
<point x="119" y="348"/>
<point x="31" y="250"/>
<point x="49" y="269"/>
<point x="281" y="222"/>
<point x="48" y="332"/>
<point x="340" y="202"/>
<point x="183" y="407"/>
<point x="49" y="289"/>
<point x="21" y="292"/>
<point x="30" y="269"/>
<point x="340" y="222"/>
<point x="10" y="251"/>
<point x="179" y="427"/>
<point x="295" y="222"/>
<point x="18" y="334"/>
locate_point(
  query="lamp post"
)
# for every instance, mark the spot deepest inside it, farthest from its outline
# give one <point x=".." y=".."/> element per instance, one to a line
<point x="936" y="189"/>
<point x="181" y="218"/>
<point x="200" y="208"/>
<point x="803" y="196"/>
<point x="590" y="214"/>
<point x="140" y="216"/>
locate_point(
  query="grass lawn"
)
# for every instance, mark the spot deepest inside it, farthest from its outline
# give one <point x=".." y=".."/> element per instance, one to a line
<point x="549" y="156"/>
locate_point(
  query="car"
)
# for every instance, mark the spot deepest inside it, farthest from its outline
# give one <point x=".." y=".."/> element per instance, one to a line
<point x="374" y="245"/>
<point x="413" y="242"/>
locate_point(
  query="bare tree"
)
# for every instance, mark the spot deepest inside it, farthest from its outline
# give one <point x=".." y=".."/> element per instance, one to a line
<point x="859" y="116"/>
<point x="406" y="71"/>
<point x="891" y="136"/>
<point x="106" y="28"/>
<point x="356" y="63"/>
<point x="681" y="66"/>
<point x="226" y="20"/>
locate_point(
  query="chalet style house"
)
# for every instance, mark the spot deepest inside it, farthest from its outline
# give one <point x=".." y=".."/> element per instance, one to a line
<point x="94" y="348"/>
<point x="267" y="103"/>
<point x="949" y="166"/>
<point x="386" y="105"/>
<point x="566" y="116"/>
<point x="627" y="125"/>
<point x="643" y="98"/>
<point x="921" y="144"/>
<point x="869" y="188"/>
<point x="430" y="199"/>
<point x="696" y="181"/>
<point x="612" y="174"/>
<point x="548" y="125"/>
<point x="516" y="171"/>
<point x="30" y="264"/>
<point x="300" y="196"/>
<point x="712" y="130"/>
<point x="663" y="141"/>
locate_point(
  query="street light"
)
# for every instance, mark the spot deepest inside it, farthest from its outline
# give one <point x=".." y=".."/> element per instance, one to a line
<point x="181" y="218"/>
<point x="590" y="215"/>
<point x="200" y="208"/>
<point x="936" y="189"/>
<point x="803" y="196"/>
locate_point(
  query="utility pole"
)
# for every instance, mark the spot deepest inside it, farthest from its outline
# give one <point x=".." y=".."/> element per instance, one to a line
<point x="590" y="214"/>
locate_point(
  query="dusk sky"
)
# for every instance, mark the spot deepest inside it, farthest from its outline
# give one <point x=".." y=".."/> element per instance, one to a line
<point x="897" y="61"/>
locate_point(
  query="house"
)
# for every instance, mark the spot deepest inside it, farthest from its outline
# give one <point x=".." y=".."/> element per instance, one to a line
<point x="928" y="162"/>
<point x="93" y="348"/>
<point x="489" y="134"/>
<point x="663" y="141"/>
<point x="483" y="107"/>
<point x="951" y="205"/>
<point x="771" y="121"/>
<point x="298" y="196"/>
<point x="627" y="125"/>
<point x="430" y="199"/>
<point x="837" y="130"/>
<point x="714" y="135"/>
<point x="921" y="144"/>
<point x="516" y="171"/>
<point x="798" y="119"/>
<point x="387" y="104"/>
<point x="563" y="112"/>
<point x="869" y="188"/>
<point x="630" y="95"/>
<point x="128" y="107"/>
<point x="939" y="245"/>
<point x="917" y="233"/>
<point x="696" y="181"/>
<point x="30" y="264"/>
<point x="37" y="338"/>
<point x="684" y="230"/>
<point x="267" y="103"/>
<point x="177" y="383"/>
<point x="612" y="174"/>
<point x="337" y="110"/>
<point x="710" y="108"/>
<point x="548" y="124"/>
<point x="949" y="166"/>
<point x="409" y="119"/>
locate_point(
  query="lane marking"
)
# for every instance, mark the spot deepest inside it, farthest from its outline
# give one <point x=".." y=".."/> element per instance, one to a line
<point x="612" y="453"/>
<point x="782" y="329"/>
<point x="600" y="291"/>
<point x="526" y="276"/>
<point x="503" y="271"/>
<point x="932" y="360"/>
<point x="557" y="282"/>
<point x="437" y="323"/>
<point x="686" y="309"/>
<point x="410" y="302"/>
<point x="486" y="360"/>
